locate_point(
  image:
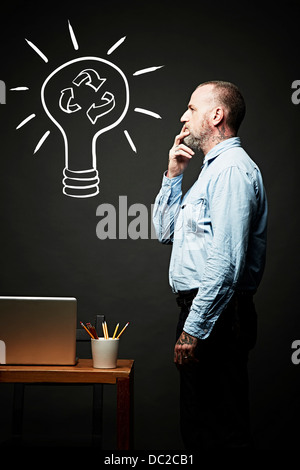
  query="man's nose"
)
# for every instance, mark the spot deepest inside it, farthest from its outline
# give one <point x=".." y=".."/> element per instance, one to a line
<point x="184" y="117"/>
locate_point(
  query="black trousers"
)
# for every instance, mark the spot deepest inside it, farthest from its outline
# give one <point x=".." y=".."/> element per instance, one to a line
<point x="214" y="402"/>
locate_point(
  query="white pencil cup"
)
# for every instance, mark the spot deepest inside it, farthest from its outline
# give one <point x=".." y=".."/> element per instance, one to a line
<point x="105" y="353"/>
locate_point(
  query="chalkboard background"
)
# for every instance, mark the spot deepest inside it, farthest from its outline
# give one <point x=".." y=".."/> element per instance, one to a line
<point x="49" y="243"/>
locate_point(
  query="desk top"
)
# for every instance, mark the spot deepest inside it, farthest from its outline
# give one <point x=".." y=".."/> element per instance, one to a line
<point x="82" y="372"/>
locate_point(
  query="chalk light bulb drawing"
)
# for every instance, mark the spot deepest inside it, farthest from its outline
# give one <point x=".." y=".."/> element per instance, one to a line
<point x="84" y="98"/>
<point x="81" y="178"/>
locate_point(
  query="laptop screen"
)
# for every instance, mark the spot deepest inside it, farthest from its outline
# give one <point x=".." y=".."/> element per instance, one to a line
<point x="38" y="330"/>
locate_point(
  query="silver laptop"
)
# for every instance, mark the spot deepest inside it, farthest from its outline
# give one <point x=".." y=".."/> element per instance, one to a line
<point x="38" y="330"/>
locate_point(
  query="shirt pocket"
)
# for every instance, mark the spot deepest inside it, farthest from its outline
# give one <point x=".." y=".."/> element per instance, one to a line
<point x="194" y="215"/>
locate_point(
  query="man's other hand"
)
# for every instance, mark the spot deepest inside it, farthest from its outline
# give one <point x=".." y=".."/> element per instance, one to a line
<point x="184" y="351"/>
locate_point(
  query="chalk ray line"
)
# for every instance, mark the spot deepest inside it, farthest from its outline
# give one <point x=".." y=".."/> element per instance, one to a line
<point x="25" y="121"/>
<point x="37" y="50"/>
<point x="42" y="140"/>
<point x="149" y="69"/>
<point x="130" y="141"/>
<point x="73" y="37"/>
<point x="19" y="88"/>
<point x="117" y="44"/>
<point x="146" y="111"/>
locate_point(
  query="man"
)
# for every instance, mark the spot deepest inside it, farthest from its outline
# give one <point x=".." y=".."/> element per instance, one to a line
<point x="218" y="232"/>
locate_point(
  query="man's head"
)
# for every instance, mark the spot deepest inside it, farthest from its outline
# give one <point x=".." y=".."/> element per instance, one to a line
<point x="215" y="113"/>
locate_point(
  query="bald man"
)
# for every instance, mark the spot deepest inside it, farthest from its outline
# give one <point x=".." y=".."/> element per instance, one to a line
<point x="218" y="236"/>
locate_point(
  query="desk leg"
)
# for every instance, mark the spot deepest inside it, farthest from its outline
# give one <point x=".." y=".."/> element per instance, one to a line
<point x="97" y="415"/>
<point x="18" y="404"/>
<point x="125" y="413"/>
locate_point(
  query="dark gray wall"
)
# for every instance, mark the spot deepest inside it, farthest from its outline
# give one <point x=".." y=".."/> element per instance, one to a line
<point x="49" y="244"/>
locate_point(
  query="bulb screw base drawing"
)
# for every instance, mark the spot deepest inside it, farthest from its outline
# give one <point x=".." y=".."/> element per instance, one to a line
<point x="81" y="184"/>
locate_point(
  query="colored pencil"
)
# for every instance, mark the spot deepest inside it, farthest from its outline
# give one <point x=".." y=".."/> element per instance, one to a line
<point x="94" y="332"/>
<point x="87" y="330"/>
<point x="92" y="329"/>
<point x="106" y="329"/>
<point x="122" y="330"/>
<point x="116" y="329"/>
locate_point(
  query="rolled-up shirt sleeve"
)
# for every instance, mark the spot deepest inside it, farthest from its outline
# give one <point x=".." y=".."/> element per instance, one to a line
<point x="231" y="204"/>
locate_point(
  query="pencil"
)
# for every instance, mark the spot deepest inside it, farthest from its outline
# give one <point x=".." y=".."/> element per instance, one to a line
<point x="122" y="330"/>
<point x="116" y="329"/>
<point x="87" y="330"/>
<point x="106" y="329"/>
<point x="94" y="332"/>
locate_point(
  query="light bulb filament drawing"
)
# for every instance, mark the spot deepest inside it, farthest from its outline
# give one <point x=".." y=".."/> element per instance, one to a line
<point x="66" y="99"/>
<point x="95" y="112"/>
<point x="92" y="79"/>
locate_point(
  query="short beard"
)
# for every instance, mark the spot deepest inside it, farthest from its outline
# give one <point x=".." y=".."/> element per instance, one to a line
<point x="198" y="143"/>
<point x="192" y="142"/>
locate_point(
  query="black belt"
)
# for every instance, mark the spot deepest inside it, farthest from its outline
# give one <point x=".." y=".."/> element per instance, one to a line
<point x="187" y="293"/>
<point x="186" y="297"/>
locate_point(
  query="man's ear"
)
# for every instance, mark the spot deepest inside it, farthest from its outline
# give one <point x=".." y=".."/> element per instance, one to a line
<point x="218" y="116"/>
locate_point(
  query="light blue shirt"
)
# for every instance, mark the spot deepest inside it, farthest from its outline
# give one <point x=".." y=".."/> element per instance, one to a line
<point x="218" y="231"/>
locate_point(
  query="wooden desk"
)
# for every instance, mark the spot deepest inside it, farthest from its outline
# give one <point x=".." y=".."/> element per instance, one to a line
<point x="84" y="373"/>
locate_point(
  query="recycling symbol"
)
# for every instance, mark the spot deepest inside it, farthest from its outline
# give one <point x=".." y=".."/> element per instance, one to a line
<point x="91" y="78"/>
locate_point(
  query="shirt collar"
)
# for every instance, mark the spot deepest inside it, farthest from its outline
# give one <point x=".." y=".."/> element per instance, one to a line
<point x="221" y="147"/>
